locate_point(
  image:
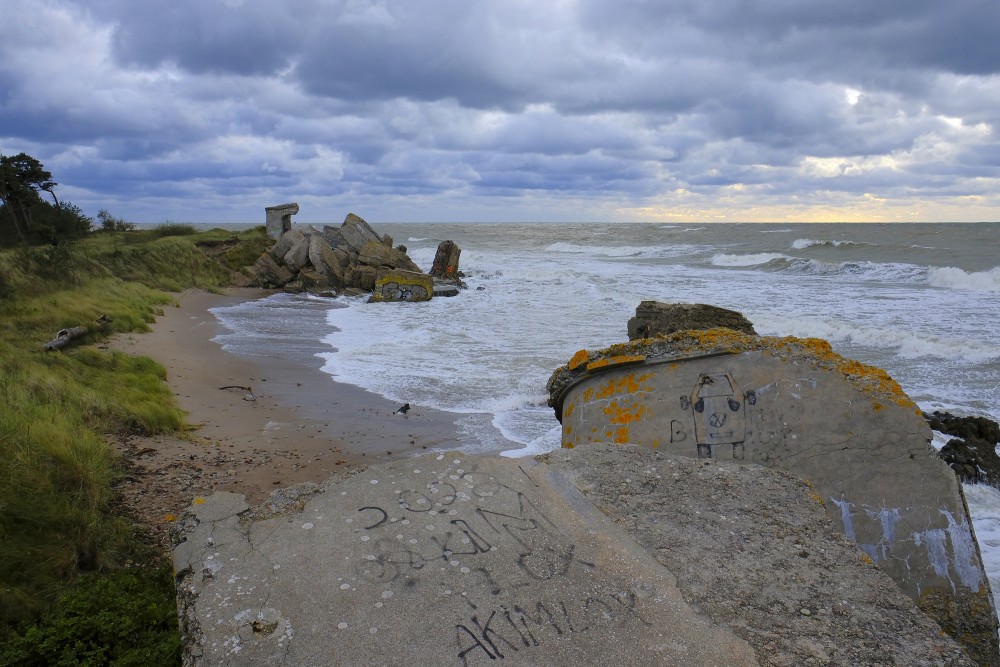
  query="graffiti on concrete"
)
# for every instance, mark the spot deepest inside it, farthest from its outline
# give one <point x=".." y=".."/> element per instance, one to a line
<point x="496" y="632"/>
<point x="719" y="415"/>
<point x="394" y="291"/>
<point x="494" y="550"/>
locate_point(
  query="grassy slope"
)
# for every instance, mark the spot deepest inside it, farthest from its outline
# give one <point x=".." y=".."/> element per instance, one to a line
<point x="57" y="410"/>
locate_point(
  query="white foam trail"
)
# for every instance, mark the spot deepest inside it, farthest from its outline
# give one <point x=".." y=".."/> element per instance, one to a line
<point x="984" y="508"/>
<point x="802" y="244"/>
<point x="979" y="281"/>
<point x="906" y="344"/>
<point x="722" y="259"/>
<point x="674" y="250"/>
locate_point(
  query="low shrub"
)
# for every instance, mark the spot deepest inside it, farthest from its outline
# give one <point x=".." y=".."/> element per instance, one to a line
<point x="122" y="619"/>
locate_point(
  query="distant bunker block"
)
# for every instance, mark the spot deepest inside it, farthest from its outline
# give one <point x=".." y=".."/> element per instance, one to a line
<point x="279" y="219"/>
<point x="794" y="404"/>
<point x="398" y="285"/>
<point x="446" y="258"/>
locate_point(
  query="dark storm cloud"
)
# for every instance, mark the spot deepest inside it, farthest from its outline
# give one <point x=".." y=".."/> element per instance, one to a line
<point x="256" y="37"/>
<point x="620" y="105"/>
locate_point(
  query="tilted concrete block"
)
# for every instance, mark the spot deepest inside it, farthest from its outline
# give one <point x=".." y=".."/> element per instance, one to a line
<point x="398" y="285"/>
<point x="795" y="405"/>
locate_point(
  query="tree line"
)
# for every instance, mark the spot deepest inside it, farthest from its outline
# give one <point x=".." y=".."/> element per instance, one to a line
<point x="28" y="218"/>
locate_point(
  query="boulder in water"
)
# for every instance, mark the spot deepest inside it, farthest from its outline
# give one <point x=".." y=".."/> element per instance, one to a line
<point x="653" y="318"/>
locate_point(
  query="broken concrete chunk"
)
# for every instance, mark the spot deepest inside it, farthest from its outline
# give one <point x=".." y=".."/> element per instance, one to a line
<point x="398" y="285"/>
<point x="795" y="405"/>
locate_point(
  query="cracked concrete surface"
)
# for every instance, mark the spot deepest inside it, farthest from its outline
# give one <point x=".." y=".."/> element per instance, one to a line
<point x="456" y="560"/>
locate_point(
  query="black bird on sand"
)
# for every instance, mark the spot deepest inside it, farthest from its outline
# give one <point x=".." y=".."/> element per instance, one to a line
<point x="404" y="409"/>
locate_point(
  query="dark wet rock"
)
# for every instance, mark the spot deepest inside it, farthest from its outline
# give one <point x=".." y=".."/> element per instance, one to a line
<point x="972" y="453"/>
<point x="445" y="288"/>
<point x="653" y="318"/>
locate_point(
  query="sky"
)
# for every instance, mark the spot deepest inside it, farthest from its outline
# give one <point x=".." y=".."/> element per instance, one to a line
<point x="509" y="110"/>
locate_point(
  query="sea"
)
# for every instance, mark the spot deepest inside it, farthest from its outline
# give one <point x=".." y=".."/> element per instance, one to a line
<point x="921" y="300"/>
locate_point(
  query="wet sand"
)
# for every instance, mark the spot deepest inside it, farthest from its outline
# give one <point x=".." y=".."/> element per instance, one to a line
<point x="261" y="423"/>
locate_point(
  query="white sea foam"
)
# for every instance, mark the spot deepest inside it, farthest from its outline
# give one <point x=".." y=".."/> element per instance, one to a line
<point x="906" y="344"/>
<point x="673" y="250"/>
<point x="802" y="244"/>
<point x="984" y="508"/>
<point x="939" y="439"/>
<point x="895" y="272"/>
<point x="723" y="259"/>
<point x="951" y="277"/>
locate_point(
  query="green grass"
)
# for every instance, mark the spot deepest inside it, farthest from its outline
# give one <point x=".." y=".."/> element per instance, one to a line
<point x="122" y="619"/>
<point x="58" y="409"/>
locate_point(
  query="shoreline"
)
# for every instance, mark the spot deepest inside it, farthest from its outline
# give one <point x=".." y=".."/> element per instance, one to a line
<point x="296" y="425"/>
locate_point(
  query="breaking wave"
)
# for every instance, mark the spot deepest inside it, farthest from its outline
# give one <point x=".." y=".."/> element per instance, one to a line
<point x="802" y="244"/>
<point x="979" y="281"/>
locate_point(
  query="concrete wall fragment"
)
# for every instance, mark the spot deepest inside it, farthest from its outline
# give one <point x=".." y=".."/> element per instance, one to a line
<point x="795" y="405"/>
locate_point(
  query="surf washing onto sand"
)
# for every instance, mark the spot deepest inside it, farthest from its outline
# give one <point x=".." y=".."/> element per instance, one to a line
<point x="919" y="300"/>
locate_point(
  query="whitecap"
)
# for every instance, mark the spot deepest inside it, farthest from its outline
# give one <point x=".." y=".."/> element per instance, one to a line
<point x="723" y="259"/>
<point x="953" y="278"/>
<point x="802" y="244"/>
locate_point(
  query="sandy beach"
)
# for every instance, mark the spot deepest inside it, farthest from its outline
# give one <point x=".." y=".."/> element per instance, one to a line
<point x="259" y="423"/>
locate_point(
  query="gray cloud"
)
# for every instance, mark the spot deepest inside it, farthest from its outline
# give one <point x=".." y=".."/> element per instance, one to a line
<point x="223" y="106"/>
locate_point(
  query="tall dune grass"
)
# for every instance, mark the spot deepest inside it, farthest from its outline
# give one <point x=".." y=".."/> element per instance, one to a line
<point x="58" y="409"/>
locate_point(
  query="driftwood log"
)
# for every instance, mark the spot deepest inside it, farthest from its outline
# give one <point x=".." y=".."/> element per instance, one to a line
<point x="64" y="336"/>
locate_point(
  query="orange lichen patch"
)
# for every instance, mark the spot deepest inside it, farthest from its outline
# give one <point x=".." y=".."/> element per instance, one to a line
<point x="871" y="380"/>
<point x="568" y="445"/>
<point x="588" y="393"/>
<point x="569" y="409"/>
<point x="199" y="501"/>
<point x="620" y="414"/>
<point x="568" y="429"/>
<point x="876" y="407"/>
<point x="615" y="360"/>
<point x="579" y="359"/>
<point x="170" y="517"/>
<point x="621" y="435"/>
<point x="627" y="384"/>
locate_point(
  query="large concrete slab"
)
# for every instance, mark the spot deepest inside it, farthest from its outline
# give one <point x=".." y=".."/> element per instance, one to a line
<point x="794" y="405"/>
<point x="455" y="560"/>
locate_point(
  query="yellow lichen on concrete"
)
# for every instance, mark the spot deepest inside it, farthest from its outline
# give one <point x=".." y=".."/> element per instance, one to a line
<point x="579" y="359"/>
<point x="621" y="435"/>
<point x="621" y="414"/>
<point x="615" y="360"/>
<point x="873" y="381"/>
<point x="629" y="383"/>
